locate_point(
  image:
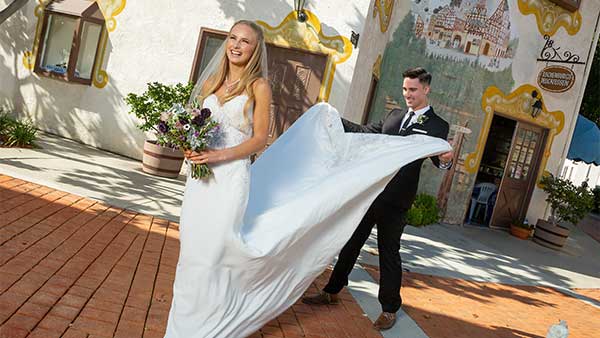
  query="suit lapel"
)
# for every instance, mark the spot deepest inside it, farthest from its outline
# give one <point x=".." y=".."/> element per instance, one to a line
<point x="429" y="113"/>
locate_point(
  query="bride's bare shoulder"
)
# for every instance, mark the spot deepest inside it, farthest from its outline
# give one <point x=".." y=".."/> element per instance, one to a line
<point x="261" y="87"/>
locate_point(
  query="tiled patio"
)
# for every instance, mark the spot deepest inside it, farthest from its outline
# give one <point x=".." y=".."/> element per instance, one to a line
<point x="451" y="308"/>
<point x="73" y="267"/>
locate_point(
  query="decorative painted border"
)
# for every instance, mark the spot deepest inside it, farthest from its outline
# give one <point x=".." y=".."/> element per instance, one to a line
<point x="384" y="9"/>
<point x="377" y="67"/>
<point x="291" y="33"/>
<point x="516" y="105"/>
<point x="550" y="17"/>
<point x="109" y="8"/>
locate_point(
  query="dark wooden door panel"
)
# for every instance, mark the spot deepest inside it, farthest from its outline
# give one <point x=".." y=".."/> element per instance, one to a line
<point x="519" y="175"/>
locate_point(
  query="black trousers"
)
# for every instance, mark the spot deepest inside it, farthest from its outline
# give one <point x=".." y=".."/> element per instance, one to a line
<point x="389" y="230"/>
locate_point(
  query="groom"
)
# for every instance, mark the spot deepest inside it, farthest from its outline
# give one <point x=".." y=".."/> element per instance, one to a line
<point x="389" y="209"/>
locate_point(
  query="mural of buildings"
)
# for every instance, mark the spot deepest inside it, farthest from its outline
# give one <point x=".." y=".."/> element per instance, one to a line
<point x="469" y="27"/>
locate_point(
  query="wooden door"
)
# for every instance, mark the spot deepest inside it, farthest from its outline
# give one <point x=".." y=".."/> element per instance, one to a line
<point x="295" y="78"/>
<point x="520" y="174"/>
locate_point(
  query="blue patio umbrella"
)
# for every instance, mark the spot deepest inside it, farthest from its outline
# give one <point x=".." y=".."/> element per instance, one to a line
<point x="585" y="144"/>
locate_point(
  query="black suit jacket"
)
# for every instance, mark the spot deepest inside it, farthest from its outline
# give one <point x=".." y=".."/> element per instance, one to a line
<point x="400" y="192"/>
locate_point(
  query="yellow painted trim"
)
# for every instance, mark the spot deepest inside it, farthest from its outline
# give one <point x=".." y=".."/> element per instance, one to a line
<point x="550" y="17"/>
<point x="110" y="9"/>
<point x="99" y="75"/>
<point x="377" y="67"/>
<point x="291" y="33"/>
<point x="29" y="56"/>
<point x="384" y="9"/>
<point x="516" y="105"/>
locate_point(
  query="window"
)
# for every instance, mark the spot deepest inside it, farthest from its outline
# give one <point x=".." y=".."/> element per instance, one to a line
<point x="208" y="42"/>
<point x="70" y="38"/>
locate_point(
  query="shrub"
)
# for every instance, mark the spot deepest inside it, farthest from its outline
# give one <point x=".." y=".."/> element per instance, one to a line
<point x="568" y="202"/>
<point x="15" y="133"/>
<point x="156" y="99"/>
<point x="596" y="193"/>
<point x="424" y="211"/>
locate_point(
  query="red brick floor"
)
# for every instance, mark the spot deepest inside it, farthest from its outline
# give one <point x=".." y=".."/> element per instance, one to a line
<point x="451" y="308"/>
<point x="73" y="267"/>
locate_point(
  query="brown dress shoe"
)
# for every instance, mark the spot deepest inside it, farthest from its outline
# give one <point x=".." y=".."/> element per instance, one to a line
<point x="385" y="321"/>
<point x="322" y="298"/>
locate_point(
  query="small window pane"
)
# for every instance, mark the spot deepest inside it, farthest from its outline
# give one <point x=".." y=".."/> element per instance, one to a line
<point x="87" y="49"/>
<point x="211" y="45"/>
<point x="57" y="43"/>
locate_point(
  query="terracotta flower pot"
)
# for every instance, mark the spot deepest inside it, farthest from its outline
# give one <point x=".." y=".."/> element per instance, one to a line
<point x="550" y="235"/>
<point x="161" y="161"/>
<point x="520" y="232"/>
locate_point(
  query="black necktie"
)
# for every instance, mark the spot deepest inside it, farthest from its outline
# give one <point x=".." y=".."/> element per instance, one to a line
<point x="407" y="122"/>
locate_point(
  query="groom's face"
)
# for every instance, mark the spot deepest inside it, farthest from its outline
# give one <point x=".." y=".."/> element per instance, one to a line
<point x="415" y="93"/>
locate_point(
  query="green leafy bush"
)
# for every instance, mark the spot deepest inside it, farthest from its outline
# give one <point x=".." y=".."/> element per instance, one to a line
<point x="568" y="202"/>
<point x="596" y="193"/>
<point x="424" y="211"/>
<point x="15" y="133"/>
<point x="6" y="122"/>
<point x="156" y="99"/>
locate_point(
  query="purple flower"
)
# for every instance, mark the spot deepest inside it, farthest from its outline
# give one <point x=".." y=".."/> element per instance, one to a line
<point x="184" y="120"/>
<point x="198" y="120"/>
<point x="163" y="127"/>
<point x="205" y="113"/>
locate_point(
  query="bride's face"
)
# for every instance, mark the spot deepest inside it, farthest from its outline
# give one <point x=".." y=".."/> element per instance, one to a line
<point x="241" y="43"/>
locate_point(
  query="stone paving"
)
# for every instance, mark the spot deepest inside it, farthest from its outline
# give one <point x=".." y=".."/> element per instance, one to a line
<point x="74" y="267"/>
<point x="449" y="308"/>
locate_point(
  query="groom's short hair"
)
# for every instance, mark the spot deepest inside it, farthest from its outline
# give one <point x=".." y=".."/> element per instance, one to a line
<point x="418" y="73"/>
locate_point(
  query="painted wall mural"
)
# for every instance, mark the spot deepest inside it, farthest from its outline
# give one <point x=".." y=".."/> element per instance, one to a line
<point x="476" y="31"/>
<point x="468" y="46"/>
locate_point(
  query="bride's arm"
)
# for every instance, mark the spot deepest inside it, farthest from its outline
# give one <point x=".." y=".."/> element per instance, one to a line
<point x="262" y="105"/>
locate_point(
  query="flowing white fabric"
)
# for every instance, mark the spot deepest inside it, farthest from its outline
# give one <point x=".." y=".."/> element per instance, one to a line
<point x="254" y="238"/>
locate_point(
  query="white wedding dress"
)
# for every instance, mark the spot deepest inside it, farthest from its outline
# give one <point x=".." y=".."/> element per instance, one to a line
<point x="253" y="238"/>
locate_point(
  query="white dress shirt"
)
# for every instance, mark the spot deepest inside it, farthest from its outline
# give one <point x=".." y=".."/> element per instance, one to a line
<point x="418" y="113"/>
<point x="414" y="119"/>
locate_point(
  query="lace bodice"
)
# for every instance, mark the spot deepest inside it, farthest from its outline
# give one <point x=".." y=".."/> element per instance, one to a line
<point x="234" y="127"/>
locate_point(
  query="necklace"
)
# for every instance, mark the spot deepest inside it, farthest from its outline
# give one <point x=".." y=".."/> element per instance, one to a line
<point x="229" y="86"/>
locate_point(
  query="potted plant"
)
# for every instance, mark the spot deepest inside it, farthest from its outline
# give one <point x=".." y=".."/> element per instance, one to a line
<point x="568" y="203"/>
<point x="424" y="211"/>
<point x="520" y="229"/>
<point x="158" y="98"/>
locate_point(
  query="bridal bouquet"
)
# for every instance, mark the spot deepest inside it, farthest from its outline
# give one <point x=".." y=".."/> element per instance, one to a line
<point x="189" y="128"/>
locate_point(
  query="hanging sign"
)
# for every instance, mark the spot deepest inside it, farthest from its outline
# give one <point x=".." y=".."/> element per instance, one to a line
<point x="570" y="5"/>
<point x="556" y="79"/>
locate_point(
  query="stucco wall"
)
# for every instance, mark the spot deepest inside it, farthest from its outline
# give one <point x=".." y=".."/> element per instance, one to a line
<point x="153" y="41"/>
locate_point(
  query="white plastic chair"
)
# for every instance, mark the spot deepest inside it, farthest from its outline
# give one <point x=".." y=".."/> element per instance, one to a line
<point x="485" y="191"/>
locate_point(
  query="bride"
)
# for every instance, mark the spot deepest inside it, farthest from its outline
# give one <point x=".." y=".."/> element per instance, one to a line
<point x="253" y="238"/>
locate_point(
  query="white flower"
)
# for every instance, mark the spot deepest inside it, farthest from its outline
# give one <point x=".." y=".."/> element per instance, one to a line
<point x="186" y="127"/>
<point x="165" y="116"/>
<point x="422" y="119"/>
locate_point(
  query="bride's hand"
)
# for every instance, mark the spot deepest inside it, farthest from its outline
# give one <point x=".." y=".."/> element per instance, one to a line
<point x="206" y="156"/>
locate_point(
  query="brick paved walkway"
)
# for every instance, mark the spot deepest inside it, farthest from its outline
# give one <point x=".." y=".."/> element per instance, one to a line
<point x="73" y="267"/>
<point x="451" y="308"/>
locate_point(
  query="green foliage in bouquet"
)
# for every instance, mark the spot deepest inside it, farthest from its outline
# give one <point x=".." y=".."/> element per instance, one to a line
<point x="424" y="211"/>
<point x="568" y="202"/>
<point x="156" y="99"/>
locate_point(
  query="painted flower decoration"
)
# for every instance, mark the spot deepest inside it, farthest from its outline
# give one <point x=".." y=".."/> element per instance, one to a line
<point x="422" y="119"/>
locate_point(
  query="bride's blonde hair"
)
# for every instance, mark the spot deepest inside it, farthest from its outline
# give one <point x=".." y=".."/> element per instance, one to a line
<point x="252" y="71"/>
